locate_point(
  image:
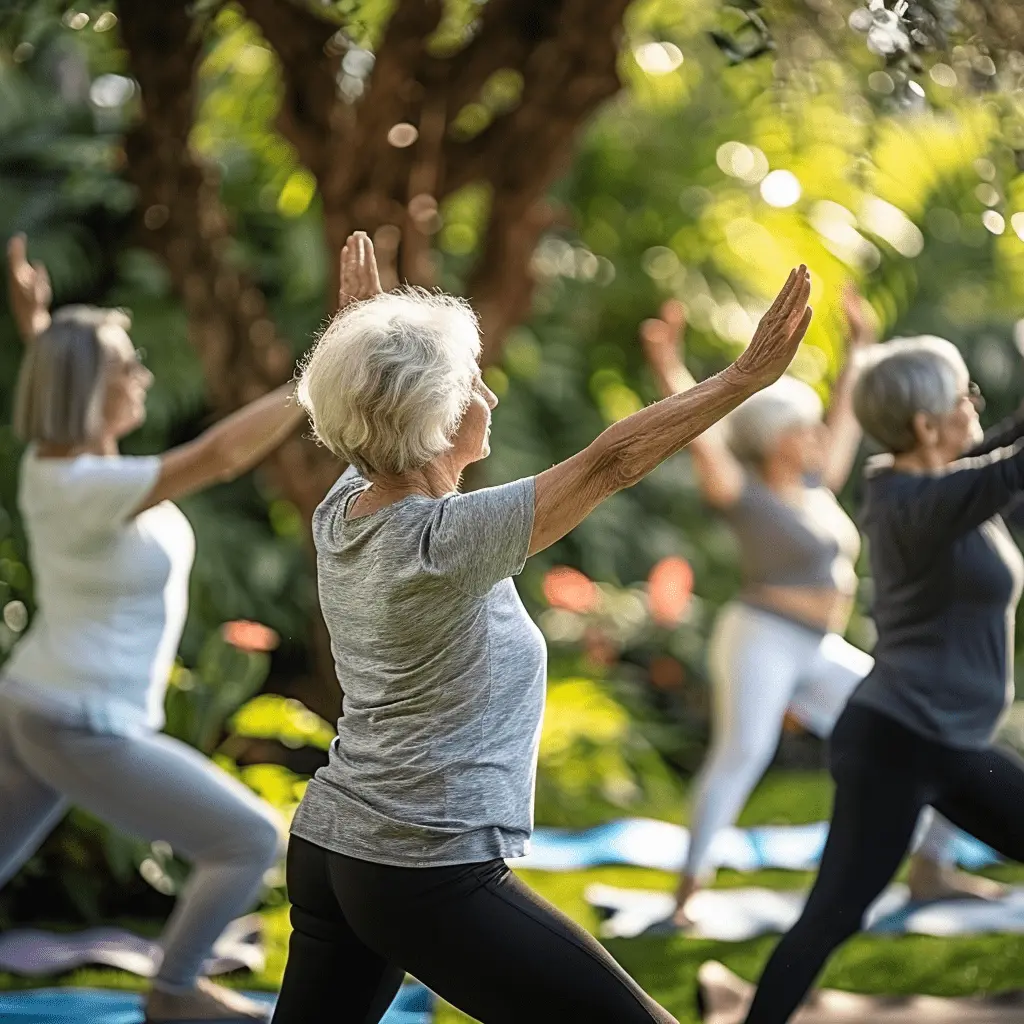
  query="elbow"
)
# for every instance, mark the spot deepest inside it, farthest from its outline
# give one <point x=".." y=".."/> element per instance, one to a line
<point x="616" y="468"/>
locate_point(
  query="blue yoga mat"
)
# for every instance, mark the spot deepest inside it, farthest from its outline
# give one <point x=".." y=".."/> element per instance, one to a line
<point x="413" y="1005"/>
<point x="643" y="842"/>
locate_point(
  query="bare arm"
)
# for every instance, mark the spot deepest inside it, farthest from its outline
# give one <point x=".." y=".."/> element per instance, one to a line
<point x="719" y="473"/>
<point x="844" y="430"/>
<point x="240" y="441"/>
<point x="628" y="450"/>
<point x="28" y="289"/>
<point x="229" y="448"/>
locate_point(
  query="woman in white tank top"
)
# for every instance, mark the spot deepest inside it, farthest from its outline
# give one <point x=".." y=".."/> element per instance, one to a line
<point x="81" y="698"/>
<point x="773" y="471"/>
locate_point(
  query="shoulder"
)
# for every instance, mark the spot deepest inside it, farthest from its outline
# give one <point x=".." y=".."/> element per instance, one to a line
<point x="85" y="473"/>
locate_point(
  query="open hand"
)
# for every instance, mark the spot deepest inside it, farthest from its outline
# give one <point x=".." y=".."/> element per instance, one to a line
<point x="360" y="278"/>
<point x="28" y="285"/>
<point x="779" y="332"/>
<point x="662" y="338"/>
<point x="859" y="318"/>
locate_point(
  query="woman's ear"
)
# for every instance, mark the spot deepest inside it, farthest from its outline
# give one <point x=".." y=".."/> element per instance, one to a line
<point x="926" y="430"/>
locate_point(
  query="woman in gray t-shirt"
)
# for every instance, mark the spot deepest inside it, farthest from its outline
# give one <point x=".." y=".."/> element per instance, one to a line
<point x="778" y="649"/>
<point x="397" y="856"/>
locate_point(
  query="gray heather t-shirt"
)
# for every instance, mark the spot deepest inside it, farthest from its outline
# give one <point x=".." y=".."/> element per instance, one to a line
<point x="443" y="673"/>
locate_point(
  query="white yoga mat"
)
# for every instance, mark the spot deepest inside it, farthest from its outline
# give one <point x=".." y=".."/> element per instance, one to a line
<point x="33" y="952"/>
<point x="733" y="915"/>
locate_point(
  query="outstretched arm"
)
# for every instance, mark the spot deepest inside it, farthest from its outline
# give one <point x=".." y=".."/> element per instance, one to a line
<point x="243" y="439"/>
<point x="844" y="430"/>
<point x="719" y="473"/>
<point x="29" y="291"/>
<point x="628" y="450"/>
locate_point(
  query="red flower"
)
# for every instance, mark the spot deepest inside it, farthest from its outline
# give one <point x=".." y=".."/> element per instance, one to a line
<point x="570" y="589"/>
<point x="249" y="636"/>
<point x="669" y="589"/>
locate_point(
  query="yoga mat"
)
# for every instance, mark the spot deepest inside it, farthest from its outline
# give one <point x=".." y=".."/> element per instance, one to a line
<point x="414" y="1004"/>
<point x="644" y="842"/>
<point x="733" y="915"/>
<point x="33" y="952"/>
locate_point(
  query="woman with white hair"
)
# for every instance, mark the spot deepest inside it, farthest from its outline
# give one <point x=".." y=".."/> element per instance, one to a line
<point x="918" y="729"/>
<point x="778" y="648"/>
<point x="82" y="695"/>
<point x="397" y="856"/>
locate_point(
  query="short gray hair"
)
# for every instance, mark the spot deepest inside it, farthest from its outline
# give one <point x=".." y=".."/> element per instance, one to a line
<point x="388" y="381"/>
<point x="901" y="378"/>
<point x="62" y="382"/>
<point x="758" y="424"/>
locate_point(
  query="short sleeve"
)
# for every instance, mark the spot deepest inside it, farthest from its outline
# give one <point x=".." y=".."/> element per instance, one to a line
<point x="482" y="537"/>
<point x="99" y="491"/>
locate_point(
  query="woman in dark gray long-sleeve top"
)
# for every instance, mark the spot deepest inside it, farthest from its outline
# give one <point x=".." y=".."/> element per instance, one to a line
<point x="919" y="728"/>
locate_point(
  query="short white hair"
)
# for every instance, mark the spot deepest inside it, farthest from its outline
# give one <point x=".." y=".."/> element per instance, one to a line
<point x="753" y="430"/>
<point x="903" y="377"/>
<point x="62" y="384"/>
<point x="388" y="381"/>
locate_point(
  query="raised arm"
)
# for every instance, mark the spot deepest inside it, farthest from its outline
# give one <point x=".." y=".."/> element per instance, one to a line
<point x="29" y="291"/>
<point x="844" y="430"/>
<point x="947" y="505"/>
<point x="245" y="438"/>
<point x="719" y="473"/>
<point x="628" y="450"/>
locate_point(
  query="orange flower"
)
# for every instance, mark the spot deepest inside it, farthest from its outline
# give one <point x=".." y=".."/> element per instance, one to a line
<point x="669" y="589"/>
<point x="249" y="636"/>
<point x="570" y="589"/>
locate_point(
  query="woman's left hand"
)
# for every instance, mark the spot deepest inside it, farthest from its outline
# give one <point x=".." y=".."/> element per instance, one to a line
<point x="28" y="286"/>
<point x="859" y="318"/>
<point x="360" y="278"/>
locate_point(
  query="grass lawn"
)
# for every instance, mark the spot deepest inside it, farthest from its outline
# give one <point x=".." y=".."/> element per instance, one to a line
<point x="667" y="967"/>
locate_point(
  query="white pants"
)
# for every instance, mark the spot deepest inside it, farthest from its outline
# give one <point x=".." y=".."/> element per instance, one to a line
<point x="151" y="786"/>
<point x="761" y="666"/>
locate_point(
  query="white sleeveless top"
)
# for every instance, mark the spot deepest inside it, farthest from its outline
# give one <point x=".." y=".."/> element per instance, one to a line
<point x="111" y="591"/>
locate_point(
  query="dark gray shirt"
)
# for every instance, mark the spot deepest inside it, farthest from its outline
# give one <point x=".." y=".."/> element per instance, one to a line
<point x="443" y="674"/>
<point x="947" y="580"/>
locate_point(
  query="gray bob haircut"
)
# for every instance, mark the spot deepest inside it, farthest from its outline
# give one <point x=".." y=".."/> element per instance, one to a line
<point x="388" y="381"/>
<point x="901" y="378"/>
<point x="758" y="424"/>
<point x="62" y="382"/>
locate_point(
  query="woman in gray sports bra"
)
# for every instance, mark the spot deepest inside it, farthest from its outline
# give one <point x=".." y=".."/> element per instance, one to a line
<point x="778" y="648"/>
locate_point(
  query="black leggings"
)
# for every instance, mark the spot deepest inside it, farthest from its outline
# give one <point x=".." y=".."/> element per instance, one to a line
<point x="885" y="774"/>
<point x="473" y="933"/>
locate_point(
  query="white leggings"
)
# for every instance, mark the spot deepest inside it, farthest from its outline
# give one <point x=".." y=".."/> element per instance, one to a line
<point x="761" y="666"/>
<point x="151" y="786"/>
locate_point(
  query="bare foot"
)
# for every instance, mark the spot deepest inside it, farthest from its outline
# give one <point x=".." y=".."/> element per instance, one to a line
<point x="206" y="1002"/>
<point x="929" y="882"/>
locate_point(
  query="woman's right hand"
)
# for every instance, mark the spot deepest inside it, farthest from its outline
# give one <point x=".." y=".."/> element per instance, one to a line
<point x="778" y="333"/>
<point x="28" y="285"/>
<point x="360" y="278"/>
<point x="662" y="339"/>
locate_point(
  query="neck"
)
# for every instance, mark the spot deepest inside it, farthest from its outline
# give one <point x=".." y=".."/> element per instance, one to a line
<point x="434" y="480"/>
<point x="921" y="460"/>
<point x="781" y="476"/>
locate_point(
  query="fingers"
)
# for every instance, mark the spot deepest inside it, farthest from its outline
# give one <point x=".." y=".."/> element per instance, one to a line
<point x="360" y="278"/>
<point x="801" y="328"/>
<point x="16" y="251"/>
<point x="654" y="331"/>
<point x="673" y="312"/>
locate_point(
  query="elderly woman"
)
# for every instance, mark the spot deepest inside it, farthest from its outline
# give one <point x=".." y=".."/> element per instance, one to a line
<point x="397" y="857"/>
<point x="778" y="648"/>
<point x="918" y="729"/>
<point x="81" y="697"/>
